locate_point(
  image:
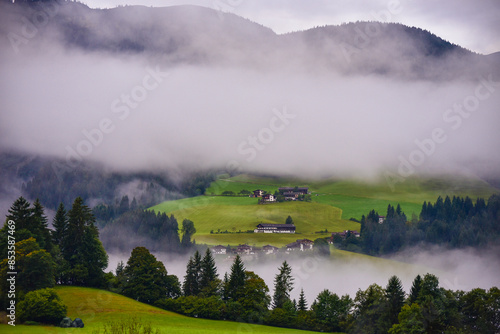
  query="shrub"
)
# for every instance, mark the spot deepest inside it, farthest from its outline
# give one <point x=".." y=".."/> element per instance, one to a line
<point x="43" y="306"/>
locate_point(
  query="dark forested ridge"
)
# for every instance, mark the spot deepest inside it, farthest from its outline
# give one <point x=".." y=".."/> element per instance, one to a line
<point x="181" y="34"/>
<point x="110" y="193"/>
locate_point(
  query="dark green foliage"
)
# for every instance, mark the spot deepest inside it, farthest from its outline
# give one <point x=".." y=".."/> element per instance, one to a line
<point x="209" y="280"/>
<point x="331" y="311"/>
<point x="302" y="304"/>
<point x="147" y="278"/>
<point x="30" y="222"/>
<point x="289" y="220"/>
<point x="35" y="268"/>
<point x="455" y="222"/>
<point x="369" y="307"/>
<point x="60" y="224"/>
<point x="41" y="229"/>
<point x="43" y="306"/>
<point x="395" y="296"/>
<point x="415" y="290"/>
<point x="283" y="285"/>
<point x="192" y="280"/>
<point x="410" y="321"/>
<point x="193" y="306"/>
<point x="187" y="230"/>
<point x="236" y="280"/>
<point x="159" y="231"/>
<point x="82" y="249"/>
<point x="255" y="299"/>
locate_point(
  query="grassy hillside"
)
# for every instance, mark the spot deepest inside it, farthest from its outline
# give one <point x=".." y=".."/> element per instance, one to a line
<point x="334" y="202"/>
<point x="98" y="307"/>
<point x="234" y="214"/>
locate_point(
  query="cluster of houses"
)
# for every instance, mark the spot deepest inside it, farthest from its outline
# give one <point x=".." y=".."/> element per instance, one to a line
<point x="290" y="193"/>
<point x="299" y="245"/>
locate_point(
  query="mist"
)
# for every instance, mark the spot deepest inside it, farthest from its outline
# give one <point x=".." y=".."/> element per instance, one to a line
<point x="456" y="269"/>
<point x="220" y="117"/>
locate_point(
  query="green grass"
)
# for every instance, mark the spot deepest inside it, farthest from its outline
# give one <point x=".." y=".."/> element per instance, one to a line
<point x="213" y="213"/>
<point x="334" y="202"/>
<point x="98" y="307"/>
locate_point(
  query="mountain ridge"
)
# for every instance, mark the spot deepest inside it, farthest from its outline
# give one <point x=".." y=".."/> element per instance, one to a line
<point x="196" y="35"/>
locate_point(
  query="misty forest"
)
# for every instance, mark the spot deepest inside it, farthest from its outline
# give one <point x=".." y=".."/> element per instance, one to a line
<point x="165" y="167"/>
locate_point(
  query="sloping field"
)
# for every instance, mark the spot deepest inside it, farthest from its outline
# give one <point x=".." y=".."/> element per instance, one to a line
<point x="238" y="214"/>
<point x="334" y="202"/>
<point x="98" y="307"/>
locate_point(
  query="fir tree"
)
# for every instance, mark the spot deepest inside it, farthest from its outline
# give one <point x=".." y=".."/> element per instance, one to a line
<point x="395" y="298"/>
<point x="60" y="224"/>
<point x="283" y="285"/>
<point x="82" y="248"/>
<point x="40" y="226"/>
<point x="209" y="276"/>
<point x="302" y="305"/>
<point x="415" y="290"/>
<point x="191" y="285"/>
<point x="236" y="279"/>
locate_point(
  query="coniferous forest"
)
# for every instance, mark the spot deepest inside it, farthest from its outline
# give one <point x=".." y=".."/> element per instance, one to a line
<point x="72" y="254"/>
<point x="453" y="223"/>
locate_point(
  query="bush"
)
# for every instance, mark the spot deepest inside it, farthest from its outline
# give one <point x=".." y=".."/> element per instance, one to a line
<point x="43" y="306"/>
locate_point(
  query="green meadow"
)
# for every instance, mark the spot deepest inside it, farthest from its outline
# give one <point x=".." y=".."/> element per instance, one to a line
<point x="333" y="203"/>
<point x="98" y="307"/>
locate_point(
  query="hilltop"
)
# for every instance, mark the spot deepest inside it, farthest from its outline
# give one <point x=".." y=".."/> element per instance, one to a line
<point x="194" y="35"/>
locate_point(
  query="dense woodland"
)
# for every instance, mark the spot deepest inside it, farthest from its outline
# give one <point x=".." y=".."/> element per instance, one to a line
<point x="72" y="254"/>
<point x="450" y="222"/>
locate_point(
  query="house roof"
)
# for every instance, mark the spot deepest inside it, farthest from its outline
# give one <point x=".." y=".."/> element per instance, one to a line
<point x="288" y="226"/>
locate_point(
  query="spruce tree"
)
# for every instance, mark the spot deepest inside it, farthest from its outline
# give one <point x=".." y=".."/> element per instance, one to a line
<point x="60" y="224"/>
<point x="209" y="275"/>
<point x="82" y="248"/>
<point x="395" y="298"/>
<point x="236" y="279"/>
<point x="283" y="285"/>
<point x="191" y="285"/>
<point x="40" y="227"/>
<point x="415" y="290"/>
<point x="302" y="305"/>
<point x="225" y="287"/>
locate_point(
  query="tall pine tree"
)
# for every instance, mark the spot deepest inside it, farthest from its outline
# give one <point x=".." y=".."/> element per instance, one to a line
<point x="283" y="285"/>
<point x="209" y="278"/>
<point x="302" y="304"/>
<point x="82" y="248"/>
<point x="395" y="299"/>
<point x="60" y="224"/>
<point x="191" y="286"/>
<point x="236" y="279"/>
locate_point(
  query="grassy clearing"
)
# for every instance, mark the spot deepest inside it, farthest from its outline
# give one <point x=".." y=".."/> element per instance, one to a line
<point x="98" y="307"/>
<point x="234" y="214"/>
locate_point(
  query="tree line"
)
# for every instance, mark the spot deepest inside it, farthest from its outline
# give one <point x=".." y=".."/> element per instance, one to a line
<point x="243" y="296"/>
<point x="455" y="222"/>
<point x="158" y="230"/>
